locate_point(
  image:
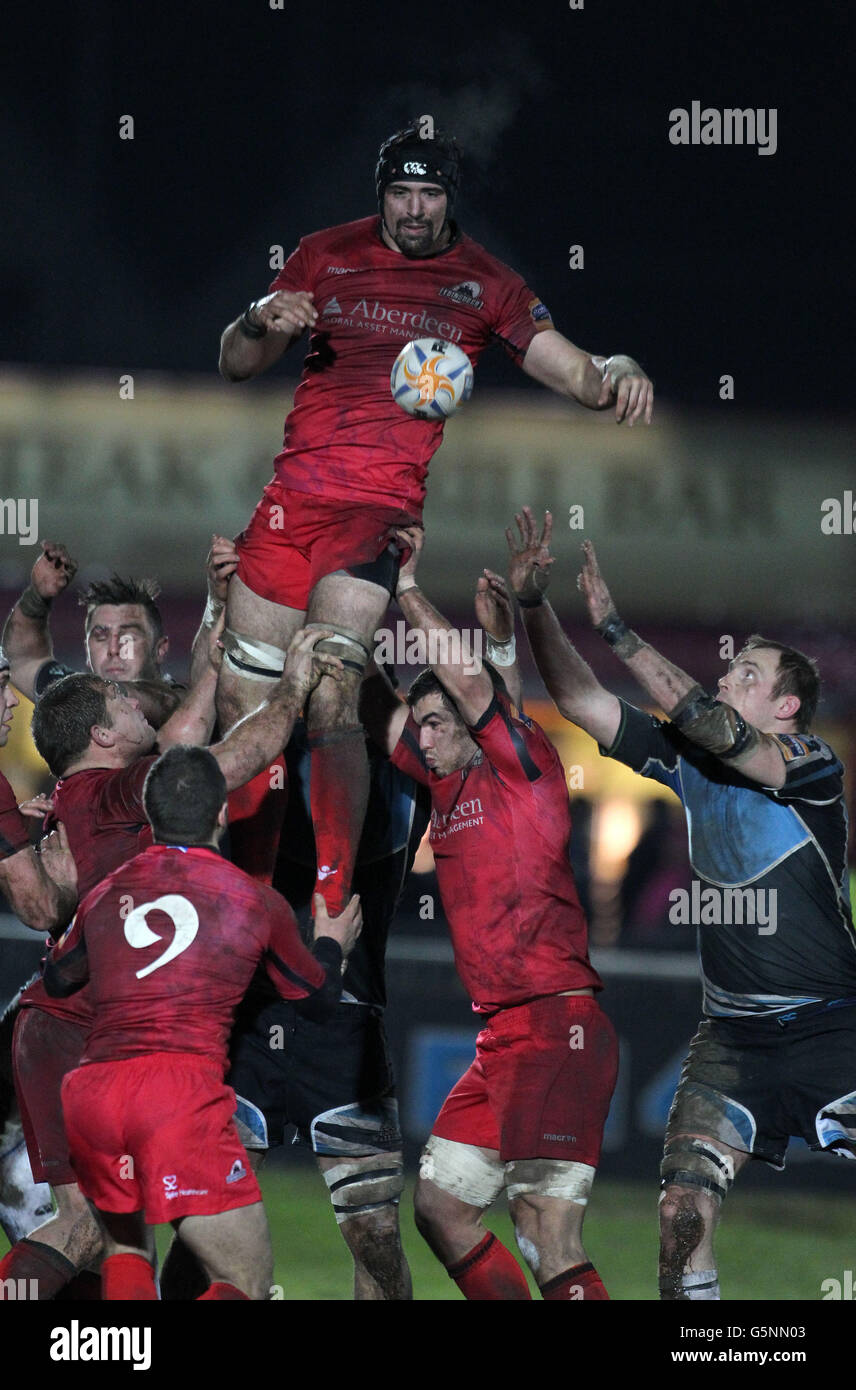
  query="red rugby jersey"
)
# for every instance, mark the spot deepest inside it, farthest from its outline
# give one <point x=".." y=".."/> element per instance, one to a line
<point x="345" y="436"/>
<point x="169" y="943"/>
<point x="500" y="832"/>
<point x="14" y="834"/>
<point x="103" y="813"/>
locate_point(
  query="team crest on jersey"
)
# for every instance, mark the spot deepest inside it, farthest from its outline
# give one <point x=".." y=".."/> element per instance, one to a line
<point x="538" y="311"/>
<point x="467" y="292"/>
<point x="793" y="747"/>
<point x="236" y="1172"/>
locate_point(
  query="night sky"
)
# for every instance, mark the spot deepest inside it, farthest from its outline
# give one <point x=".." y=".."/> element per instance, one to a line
<point x="256" y="125"/>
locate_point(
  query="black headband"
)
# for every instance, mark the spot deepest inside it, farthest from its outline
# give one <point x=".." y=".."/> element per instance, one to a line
<point x="418" y="162"/>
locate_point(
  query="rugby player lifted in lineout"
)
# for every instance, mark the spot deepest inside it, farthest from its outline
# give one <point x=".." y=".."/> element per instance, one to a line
<point x="353" y="465"/>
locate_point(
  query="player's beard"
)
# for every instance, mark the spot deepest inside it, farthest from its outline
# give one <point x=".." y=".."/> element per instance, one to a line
<point x="409" y="244"/>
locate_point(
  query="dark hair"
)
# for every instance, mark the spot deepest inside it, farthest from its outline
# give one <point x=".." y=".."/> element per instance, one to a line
<point x="427" y="683"/>
<point x="183" y="793"/>
<point x="116" y="590"/>
<point x="64" y="717"/>
<point x="797" y="675"/>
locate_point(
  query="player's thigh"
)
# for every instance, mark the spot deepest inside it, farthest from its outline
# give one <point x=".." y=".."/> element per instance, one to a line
<point x="456" y="1182"/>
<point x="233" y="1246"/>
<point x="365" y="1190"/>
<point x="340" y="600"/>
<point x="251" y="615"/>
<point x="697" y="1171"/>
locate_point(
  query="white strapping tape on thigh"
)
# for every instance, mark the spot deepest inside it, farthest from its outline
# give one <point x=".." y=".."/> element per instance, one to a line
<point x="462" y="1170"/>
<point x="251" y="658"/>
<point x="550" y="1177"/>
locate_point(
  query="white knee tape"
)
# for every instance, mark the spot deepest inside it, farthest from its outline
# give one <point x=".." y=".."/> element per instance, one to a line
<point x="359" y="1187"/>
<point x="462" y="1170"/>
<point x="251" y="658"/>
<point x="550" y="1177"/>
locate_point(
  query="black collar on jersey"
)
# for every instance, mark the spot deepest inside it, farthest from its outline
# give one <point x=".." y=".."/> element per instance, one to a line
<point x="455" y="235"/>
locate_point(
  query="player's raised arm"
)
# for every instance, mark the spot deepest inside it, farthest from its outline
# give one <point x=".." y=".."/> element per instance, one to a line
<point x="460" y="672"/>
<point x="716" y="727"/>
<point x="596" y="382"/>
<point x="220" y="564"/>
<point x="495" y="613"/>
<point x="262" y="333"/>
<point x="26" y="636"/>
<point x="570" y="681"/>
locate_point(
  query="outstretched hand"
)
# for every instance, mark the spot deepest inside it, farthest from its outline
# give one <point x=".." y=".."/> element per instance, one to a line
<point x="530" y="559"/>
<point x="494" y="611"/>
<point x="593" y="588"/>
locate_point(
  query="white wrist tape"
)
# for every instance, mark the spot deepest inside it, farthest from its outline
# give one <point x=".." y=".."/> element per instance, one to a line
<point x="501" y="653"/>
<point x="408" y="582"/>
<point x="213" y="609"/>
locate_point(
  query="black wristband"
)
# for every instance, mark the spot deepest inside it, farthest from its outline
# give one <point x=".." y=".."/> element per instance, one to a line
<point x="531" y="602"/>
<point x="246" y="325"/>
<point x="612" y="629"/>
<point x="32" y="605"/>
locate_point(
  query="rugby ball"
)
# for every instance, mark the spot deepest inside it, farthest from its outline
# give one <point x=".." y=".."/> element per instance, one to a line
<point x="430" y="378"/>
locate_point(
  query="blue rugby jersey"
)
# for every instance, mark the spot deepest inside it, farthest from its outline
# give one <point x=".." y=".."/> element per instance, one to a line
<point x="772" y="900"/>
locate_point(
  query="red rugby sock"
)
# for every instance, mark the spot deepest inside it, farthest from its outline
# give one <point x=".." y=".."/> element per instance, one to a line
<point x="32" y="1260"/>
<point x="339" y="790"/>
<point x="256" y="813"/>
<point x="128" y="1277"/>
<point x="581" y="1282"/>
<point x="490" y="1272"/>
<point x="221" y="1292"/>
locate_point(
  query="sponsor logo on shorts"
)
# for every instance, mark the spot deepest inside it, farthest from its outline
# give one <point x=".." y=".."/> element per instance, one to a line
<point x="560" y="1138"/>
<point x="236" y="1172"/>
<point x="172" y="1189"/>
<point x="467" y="292"/>
<point x="325" y="871"/>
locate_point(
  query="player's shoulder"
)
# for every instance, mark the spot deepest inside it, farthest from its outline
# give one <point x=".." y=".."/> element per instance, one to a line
<point x="807" y="757"/>
<point x="346" y="237"/>
<point x="798" y="746"/>
<point x="477" y="255"/>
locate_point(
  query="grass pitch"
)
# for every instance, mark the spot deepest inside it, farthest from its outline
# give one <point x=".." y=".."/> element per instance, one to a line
<point x="770" y="1246"/>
